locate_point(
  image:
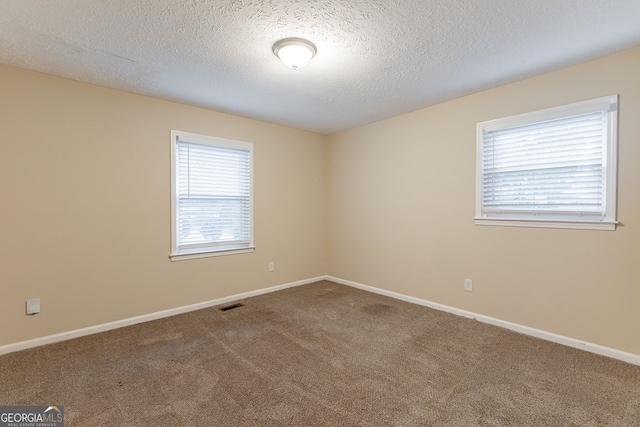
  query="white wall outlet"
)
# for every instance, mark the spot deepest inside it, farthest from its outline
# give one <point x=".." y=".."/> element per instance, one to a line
<point x="272" y="266"/>
<point x="33" y="306"/>
<point x="468" y="285"/>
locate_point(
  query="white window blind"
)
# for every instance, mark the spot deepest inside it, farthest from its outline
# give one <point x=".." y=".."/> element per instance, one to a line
<point x="212" y="194"/>
<point x="549" y="166"/>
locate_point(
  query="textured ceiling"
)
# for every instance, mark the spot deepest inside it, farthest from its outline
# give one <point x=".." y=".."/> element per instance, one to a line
<point x="376" y="59"/>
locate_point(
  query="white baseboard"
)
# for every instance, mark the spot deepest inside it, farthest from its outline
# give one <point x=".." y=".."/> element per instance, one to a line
<point x="50" y="339"/>
<point x="549" y="336"/>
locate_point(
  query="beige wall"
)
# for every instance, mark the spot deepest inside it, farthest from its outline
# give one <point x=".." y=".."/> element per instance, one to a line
<point x="85" y="209"/>
<point x="401" y="207"/>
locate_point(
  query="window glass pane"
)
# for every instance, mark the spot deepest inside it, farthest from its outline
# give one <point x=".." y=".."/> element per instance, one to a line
<point x="550" y="165"/>
<point x="212" y="195"/>
<point x="553" y="165"/>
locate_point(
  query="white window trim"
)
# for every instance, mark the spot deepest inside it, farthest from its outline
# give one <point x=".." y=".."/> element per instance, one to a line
<point x="176" y="254"/>
<point x="609" y="223"/>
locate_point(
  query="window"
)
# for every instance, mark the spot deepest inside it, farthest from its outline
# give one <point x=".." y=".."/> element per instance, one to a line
<point x="551" y="168"/>
<point x="211" y="196"/>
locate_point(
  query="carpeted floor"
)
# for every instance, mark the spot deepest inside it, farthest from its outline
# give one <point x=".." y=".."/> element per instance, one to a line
<point x="321" y="355"/>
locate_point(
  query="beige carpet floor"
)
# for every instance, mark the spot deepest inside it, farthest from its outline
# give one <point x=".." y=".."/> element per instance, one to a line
<point x="321" y="355"/>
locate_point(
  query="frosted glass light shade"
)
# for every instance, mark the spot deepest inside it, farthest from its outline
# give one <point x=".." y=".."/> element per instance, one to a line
<point x="294" y="52"/>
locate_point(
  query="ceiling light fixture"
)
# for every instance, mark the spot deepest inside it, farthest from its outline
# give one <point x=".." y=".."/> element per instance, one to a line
<point x="294" y="52"/>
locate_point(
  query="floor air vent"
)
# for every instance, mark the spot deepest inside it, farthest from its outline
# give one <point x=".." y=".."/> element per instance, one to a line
<point x="231" y="307"/>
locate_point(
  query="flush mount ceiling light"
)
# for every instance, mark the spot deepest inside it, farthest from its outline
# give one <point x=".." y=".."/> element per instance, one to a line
<point x="294" y="52"/>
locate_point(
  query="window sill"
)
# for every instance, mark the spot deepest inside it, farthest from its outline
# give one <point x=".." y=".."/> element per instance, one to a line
<point x="545" y="223"/>
<point x="195" y="255"/>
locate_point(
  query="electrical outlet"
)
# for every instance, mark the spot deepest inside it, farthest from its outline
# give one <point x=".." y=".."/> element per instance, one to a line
<point x="33" y="306"/>
<point x="271" y="266"/>
<point x="468" y="285"/>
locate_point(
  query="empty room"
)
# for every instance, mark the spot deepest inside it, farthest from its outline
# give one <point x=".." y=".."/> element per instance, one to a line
<point x="302" y="213"/>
